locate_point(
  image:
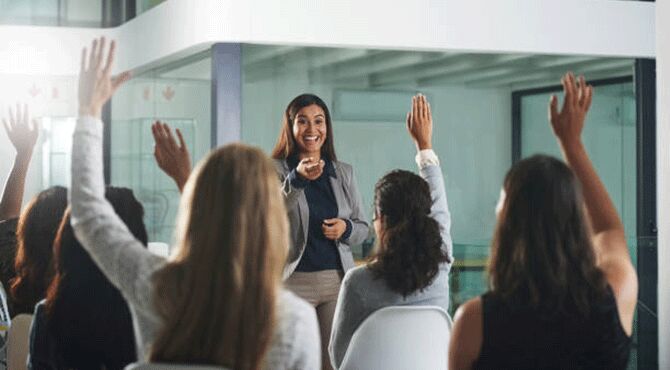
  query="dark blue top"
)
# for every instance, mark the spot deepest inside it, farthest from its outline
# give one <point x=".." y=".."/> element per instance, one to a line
<point x="320" y="253"/>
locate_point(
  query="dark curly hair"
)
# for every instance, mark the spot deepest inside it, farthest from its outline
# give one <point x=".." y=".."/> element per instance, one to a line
<point x="409" y="250"/>
<point x="35" y="235"/>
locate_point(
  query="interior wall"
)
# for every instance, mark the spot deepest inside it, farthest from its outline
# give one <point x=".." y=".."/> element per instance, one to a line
<point x="520" y="26"/>
<point x="472" y="137"/>
<point x="663" y="177"/>
<point x="182" y="103"/>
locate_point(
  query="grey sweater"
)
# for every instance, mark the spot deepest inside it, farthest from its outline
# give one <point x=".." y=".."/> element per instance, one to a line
<point x="129" y="266"/>
<point x="361" y="294"/>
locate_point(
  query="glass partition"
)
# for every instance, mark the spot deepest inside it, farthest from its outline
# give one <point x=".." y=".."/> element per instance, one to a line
<point x="178" y="94"/>
<point x="610" y="138"/>
<point x="368" y="92"/>
<point x="64" y="13"/>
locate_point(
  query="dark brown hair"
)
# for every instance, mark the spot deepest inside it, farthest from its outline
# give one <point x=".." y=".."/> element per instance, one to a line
<point x="409" y="252"/>
<point x="286" y="145"/>
<point x="35" y="235"/>
<point x="541" y="254"/>
<point x="87" y="315"/>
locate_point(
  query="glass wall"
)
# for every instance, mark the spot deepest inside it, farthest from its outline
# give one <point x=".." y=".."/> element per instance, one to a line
<point x="179" y="95"/>
<point x="70" y="13"/>
<point x="610" y="138"/>
<point x="368" y="93"/>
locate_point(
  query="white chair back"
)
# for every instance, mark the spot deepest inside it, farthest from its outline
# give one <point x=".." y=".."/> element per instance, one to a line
<point x="18" y="342"/>
<point x="401" y="337"/>
<point x="162" y="366"/>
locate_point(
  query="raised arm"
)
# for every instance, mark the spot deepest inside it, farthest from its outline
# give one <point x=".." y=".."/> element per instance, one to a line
<point x="174" y="159"/>
<point x="420" y="127"/>
<point x="23" y="137"/>
<point x="101" y="232"/>
<point x="608" y="233"/>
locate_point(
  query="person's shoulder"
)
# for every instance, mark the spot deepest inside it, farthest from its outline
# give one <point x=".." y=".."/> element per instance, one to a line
<point x="9" y="226"/>
<point x="280" y="164"/>
<point x="39" y="315"/>
<point x="361" y="281"/>
<point x="343" y="166"/>
<point x="296" y="316"/>
<point x="470" y="309"/>
<point x="356" y="274"/>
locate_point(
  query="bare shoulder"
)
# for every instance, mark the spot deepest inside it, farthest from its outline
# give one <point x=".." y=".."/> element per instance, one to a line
<point x="469" y="314"/>
<point x="467" y="335"/>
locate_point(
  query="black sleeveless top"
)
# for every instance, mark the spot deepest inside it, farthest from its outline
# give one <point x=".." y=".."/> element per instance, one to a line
<point x="519" y="338"/>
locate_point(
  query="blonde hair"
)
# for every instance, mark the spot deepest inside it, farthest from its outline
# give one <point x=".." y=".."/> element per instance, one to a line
<point x="217" y="297"/>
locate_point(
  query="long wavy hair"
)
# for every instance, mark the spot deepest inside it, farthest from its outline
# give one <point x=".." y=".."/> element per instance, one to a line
<point x="541" y="254"/>
<point x="409" y="250"/>
<point x="220" y="289"/>
<point x="86" y="314"/>
<point x="35" y="234"/>
<point x="286" y="145"/>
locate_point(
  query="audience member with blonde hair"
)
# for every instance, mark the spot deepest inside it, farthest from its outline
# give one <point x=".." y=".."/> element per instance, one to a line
<point x="218" y="299"/>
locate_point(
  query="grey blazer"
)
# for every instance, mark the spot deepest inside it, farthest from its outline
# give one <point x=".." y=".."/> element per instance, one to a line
<point x="349" y="206"/>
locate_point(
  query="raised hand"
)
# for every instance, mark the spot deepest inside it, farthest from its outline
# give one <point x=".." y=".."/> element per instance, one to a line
<point x="333" y="228"/>
<point x="569" y="122"/>
<point x="96" y="85"/>
<point x="420" y="122"/>
<point x="174" y="159"/>
<point x="310" y="169"/>
<point x="22" y="132"/>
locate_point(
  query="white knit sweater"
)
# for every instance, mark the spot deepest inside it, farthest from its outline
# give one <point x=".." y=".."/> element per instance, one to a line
<point x="129" y="266"/>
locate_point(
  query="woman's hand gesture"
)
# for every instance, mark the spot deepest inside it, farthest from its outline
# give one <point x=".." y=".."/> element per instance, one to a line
<point x="21" y="133"/>
<point x="420" y="123"/>
<point x="334" y="228"/>
<point x="310" y="169"/>
<point x="174" y="159"/>
<point x="568" y="123"/>
<point x="96" y="85"/>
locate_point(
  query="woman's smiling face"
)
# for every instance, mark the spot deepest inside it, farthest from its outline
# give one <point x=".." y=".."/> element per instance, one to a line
<point x="309" y="129"/>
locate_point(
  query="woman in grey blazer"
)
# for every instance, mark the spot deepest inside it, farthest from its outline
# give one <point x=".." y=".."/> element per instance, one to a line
<point x="324" y="208"/>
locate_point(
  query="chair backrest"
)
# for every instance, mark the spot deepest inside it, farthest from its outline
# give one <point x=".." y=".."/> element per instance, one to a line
<point x="162" y="366"/>
<point x="401" y="337"/>
<point x="18" y="342"/>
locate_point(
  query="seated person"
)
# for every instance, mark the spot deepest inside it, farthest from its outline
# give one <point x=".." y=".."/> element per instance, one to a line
<point x="36" y="231"/>
<point x="562" y="288"/>
<point x="218" y="299"/>
<point x="84" y="322"/>
<point x="414" y="249"/>
<point x="23" y="136"/>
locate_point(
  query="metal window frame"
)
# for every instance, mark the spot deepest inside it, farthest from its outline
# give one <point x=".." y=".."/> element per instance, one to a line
<point x="644" y="80"/>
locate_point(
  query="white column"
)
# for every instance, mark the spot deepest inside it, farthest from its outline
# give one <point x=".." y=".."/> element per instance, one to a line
<point x="663" y="178"/>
